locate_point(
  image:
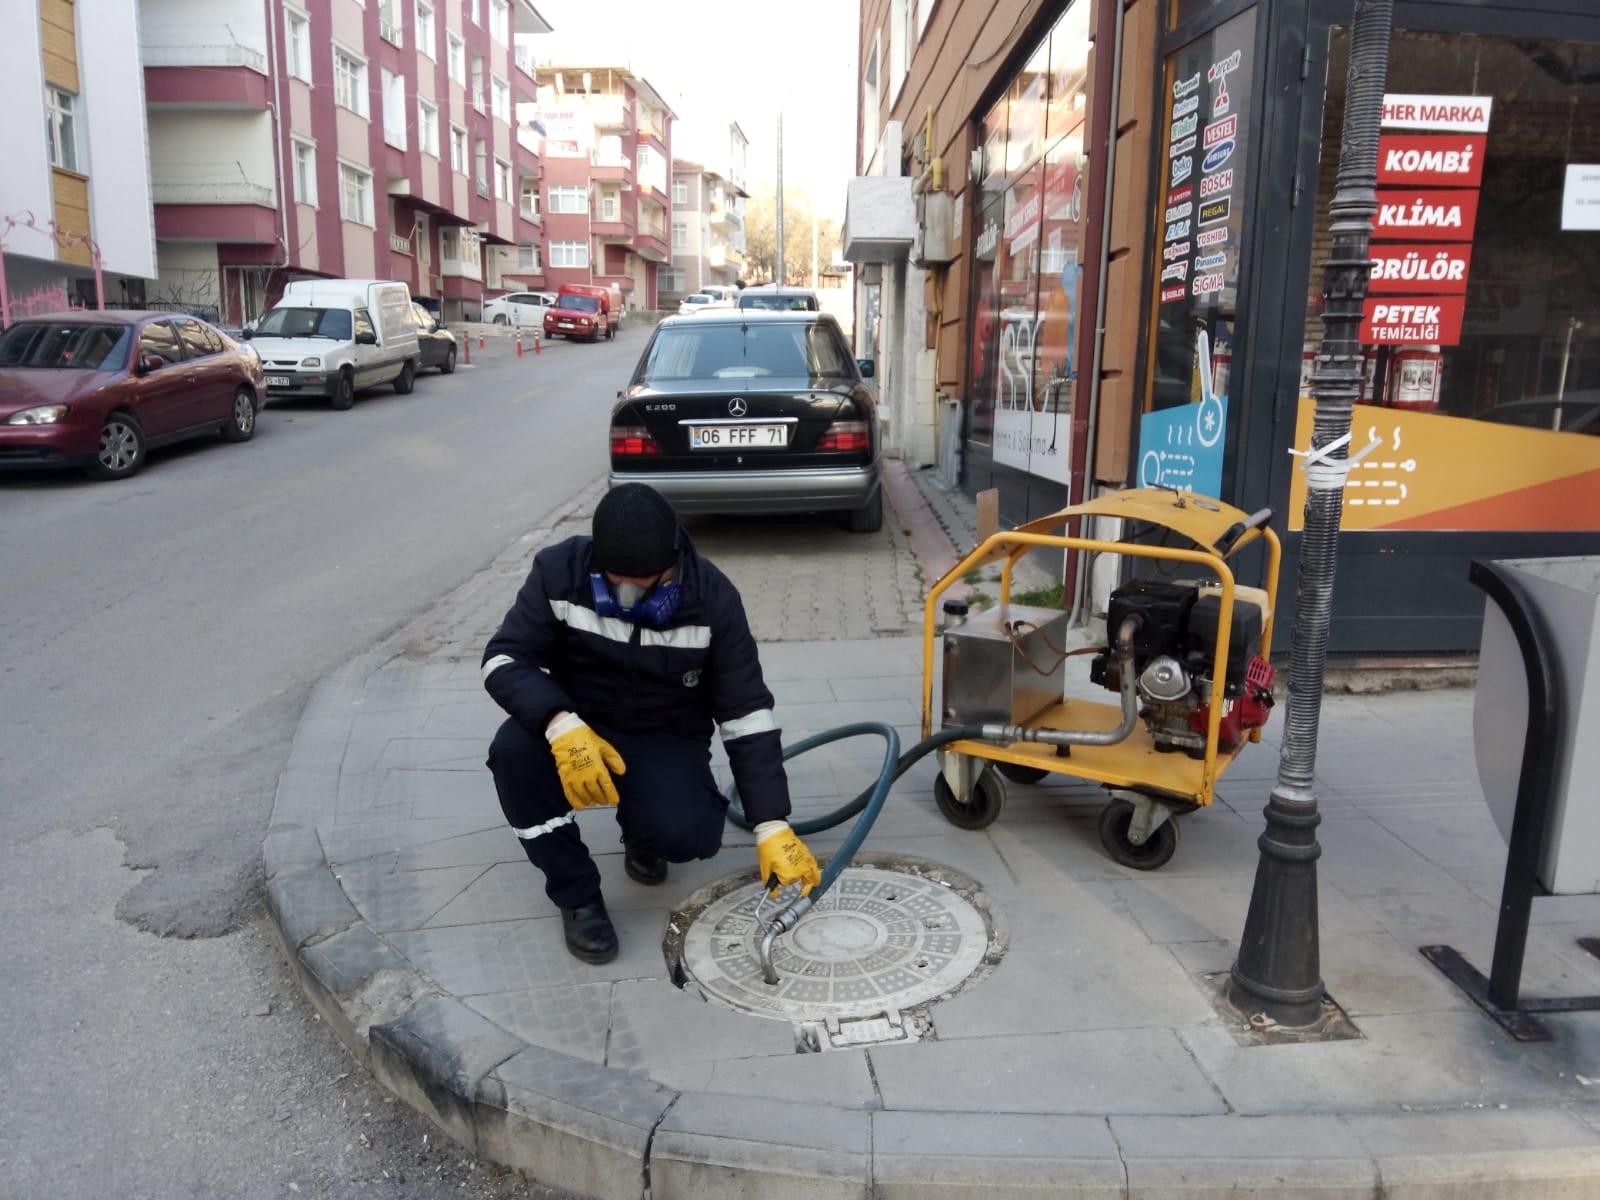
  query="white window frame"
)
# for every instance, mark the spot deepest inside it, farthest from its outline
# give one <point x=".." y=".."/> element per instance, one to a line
<point x="427" y="28"/>
<point x="297" y="43"/>
<point x="670" y="279"/>
<point x="871" y="101"/>
<point x="427" y="127"/>
<point x="528" y="190"/>
<point x="460" y="150"/>
<point x="924" y="12"/>
<point x="901" y="20"/>
<point x="357" y="86"/>
<point x="610" y="202"/>
<point x="391" y="26"/>
<point x="61" y="112"/>
<point x="573" y="255"/>
<point x="480" y="166"/>
<point x="499" y="97"/>
<point x="303" y="170"/>
<point x="456" y="57"/>
<point x="573" y="199"/>
<point x="500" y="21"/>
<point x="680" y="235"/>
<point x="535" y="263"/>
<point x="680" y="191"/>
<point x="394" y="108"/>
<point x="503" y="180"/>
<point x="478" y="73"/>
<point x="473" y="11"/>
<point x="349" y="171"/>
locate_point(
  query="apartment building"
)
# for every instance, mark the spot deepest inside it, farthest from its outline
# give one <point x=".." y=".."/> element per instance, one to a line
<point x="75" y="194"/>
<point x="355" y="138"/>
<point x="607" y="137"/>
<point x="708" y="195"/>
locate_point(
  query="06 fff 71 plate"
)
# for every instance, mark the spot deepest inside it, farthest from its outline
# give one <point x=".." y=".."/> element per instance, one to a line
<point x="739" y="435"/>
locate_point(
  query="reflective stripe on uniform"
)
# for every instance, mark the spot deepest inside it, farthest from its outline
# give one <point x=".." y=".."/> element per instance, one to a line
<point x="760" y="721"/>
<point x="499" y="660"/>
<point x="549" y="826"/>
<point x="576" y="616"/>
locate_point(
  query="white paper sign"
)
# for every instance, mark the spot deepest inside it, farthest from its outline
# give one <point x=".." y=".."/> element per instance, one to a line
<point x="1580" y="199"/>
<point x="1453" y="114"/>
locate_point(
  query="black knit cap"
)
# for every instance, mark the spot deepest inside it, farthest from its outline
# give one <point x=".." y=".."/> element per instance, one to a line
<point x="635" y="531"/>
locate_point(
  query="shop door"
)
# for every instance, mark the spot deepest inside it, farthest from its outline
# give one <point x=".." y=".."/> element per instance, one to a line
<point x="1482" y="391"/>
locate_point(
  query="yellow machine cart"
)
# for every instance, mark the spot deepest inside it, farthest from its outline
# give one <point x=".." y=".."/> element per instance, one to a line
<point x="1187" y="653"/>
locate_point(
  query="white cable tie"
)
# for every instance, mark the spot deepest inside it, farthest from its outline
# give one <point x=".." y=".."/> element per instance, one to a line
<point x="1325" y="473"/>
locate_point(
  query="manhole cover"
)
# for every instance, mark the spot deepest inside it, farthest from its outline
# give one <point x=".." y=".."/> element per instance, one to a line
<point x="878" y="943"/>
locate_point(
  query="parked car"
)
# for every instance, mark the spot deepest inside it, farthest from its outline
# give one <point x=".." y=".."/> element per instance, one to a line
<point x="583" y="312"/>
<point x="751" y="412"/>
<point x="778" y="299"/>
<point x="436" y="345"/>
<point x="518" y="308"/>
<point x="332" y="337"/>
<point x="98" y="389"/>
<point x="694" y="301"/>
<point x="1579" y="412"/>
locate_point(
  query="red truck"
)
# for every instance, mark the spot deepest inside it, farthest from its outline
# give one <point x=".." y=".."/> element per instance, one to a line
<point x="584" y="311"/>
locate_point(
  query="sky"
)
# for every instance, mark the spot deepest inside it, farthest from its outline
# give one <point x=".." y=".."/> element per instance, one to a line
<point x="739" y="62"/>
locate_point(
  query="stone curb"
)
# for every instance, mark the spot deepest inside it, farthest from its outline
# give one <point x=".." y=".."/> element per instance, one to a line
<point x="603" y="1132"/>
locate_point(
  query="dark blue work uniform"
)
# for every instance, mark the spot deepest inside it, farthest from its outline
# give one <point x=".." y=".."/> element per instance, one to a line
<point x="655" y="693"/>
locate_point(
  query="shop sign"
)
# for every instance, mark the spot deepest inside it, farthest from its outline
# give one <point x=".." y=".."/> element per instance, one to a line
<point x="1212" y="237"/>
<point x="1175" y="251"/>
<point x="1181" y="169"/>
<point x="1442" y="114"/>
<point x="1414" y="268"/>
<point x="1206" y="284"/>
<point x="1183" y="147"/>
<point x="1217" y="155"/>
<point x="1216" y="185"/>
<point x="1184" y="126"/>
<point x="1580" y="198"/>
<point x="1448" y="160"/>
<point x="1391" y="321"/>
<point x="1214" y="212"/>
<point x="1218" y="130"/>
<point x="1440" y="216"/>
<point x="1169" y="294"/>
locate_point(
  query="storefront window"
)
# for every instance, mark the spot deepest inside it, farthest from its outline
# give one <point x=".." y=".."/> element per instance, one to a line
<point x="1027" y="258"/>
<point x="1482" y="331"/>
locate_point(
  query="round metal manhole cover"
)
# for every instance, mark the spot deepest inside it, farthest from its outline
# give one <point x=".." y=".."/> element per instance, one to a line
<point x="879" y="942"/>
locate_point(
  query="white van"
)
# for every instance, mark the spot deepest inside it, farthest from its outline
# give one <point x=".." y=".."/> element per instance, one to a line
<point x="332" y="337"/>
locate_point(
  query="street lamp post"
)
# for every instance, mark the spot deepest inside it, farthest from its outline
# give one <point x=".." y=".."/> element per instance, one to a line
<point x="1278" y="971"/>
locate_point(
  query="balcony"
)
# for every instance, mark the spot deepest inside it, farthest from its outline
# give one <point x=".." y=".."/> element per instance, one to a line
<point x="217" y="50"/>
<point x="619" y="228"/>
<point x="610" y="170"/>
<point x="193" y="191"/>
<point x="400" y="245"/>
<point x="461" y="268"/>
<point x="652" y="244"/>
<point x="724" y="219"/>
<point x="608" y="112"/>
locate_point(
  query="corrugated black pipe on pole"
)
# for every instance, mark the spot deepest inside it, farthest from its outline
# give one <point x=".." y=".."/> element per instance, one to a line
<point x="1279" y="970"/>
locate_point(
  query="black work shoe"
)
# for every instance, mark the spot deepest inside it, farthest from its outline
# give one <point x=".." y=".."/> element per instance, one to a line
<point x="590" y="934"/>
<point x="644" y="868"/>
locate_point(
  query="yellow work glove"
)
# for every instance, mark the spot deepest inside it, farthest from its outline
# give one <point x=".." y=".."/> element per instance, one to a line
<point x="585" y="761"/>
<point x="784" y="858"/>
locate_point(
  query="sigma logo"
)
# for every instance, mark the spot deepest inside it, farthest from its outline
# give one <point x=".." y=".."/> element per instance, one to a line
<point x="1174" y="232"/>
<point x="1177" y="270"/>
<point x="737" y="407"/>
<point x="1210" y="262"/>
<point x="1178" y="211"/>
<point x="691" y="679"/>
<point x="1206" y="284"/>
<point x="1184" y="107"/>
<point x="1217" y="155"/>
<point x="1175" y="251"/>
<point x="1216" y="185"/>
<point x="1212" y="237"/>
<point x="1181" y="170"/>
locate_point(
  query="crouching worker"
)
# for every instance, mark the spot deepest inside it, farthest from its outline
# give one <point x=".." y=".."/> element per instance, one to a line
<point x="621" y="654"/>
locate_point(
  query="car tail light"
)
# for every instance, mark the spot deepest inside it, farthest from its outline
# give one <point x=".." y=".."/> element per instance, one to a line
<point x="846" y="437"/>
<point x="632" y="441"/>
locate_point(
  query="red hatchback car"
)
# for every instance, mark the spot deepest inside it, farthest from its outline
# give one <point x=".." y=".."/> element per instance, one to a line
<point x="97" y="389"/>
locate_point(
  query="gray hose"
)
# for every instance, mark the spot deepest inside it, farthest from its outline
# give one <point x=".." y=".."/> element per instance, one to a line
<point x="1005" y="734"/>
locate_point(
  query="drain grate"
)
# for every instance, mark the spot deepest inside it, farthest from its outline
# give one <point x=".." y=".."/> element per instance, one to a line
<point x="880" y="942"/>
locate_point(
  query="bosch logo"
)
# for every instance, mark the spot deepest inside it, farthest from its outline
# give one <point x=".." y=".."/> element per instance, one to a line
<point x="737" y="407"/>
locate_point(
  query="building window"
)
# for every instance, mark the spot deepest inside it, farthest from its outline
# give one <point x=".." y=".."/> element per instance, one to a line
<point x="528" y="259"/>
<point x="458" y="150"/>
<point x="474" y="11"/>
<point x="608" y="206"/>
<point x="477" y="82"/>
<point x="680" y="191"/>
<point x="680" y="235"/>
<point x="924" y="11"/>
<point x="349" y="82"/>
<point x="528" y="205"/>
<point x="61" y="128"/>
<point x="500" y="98"/>
<point x="427" y="128"/>
<point x="569" y="199"/>
<point x="394" y="109"/>
<point x="870" y="103"/>
<point x="456" y="62"/>
<point x="500" y="21"/>
<point x="305" y="172"/>
<point x="355" y="194"/>
<point x="670" y="279"/>
<point x="389" y="27"/>
<point x="425" y="30"/>
<point x="900" y="18"/>
<point x="569" y="254"/>
<point x="480" y="155"/>
<point x="502" y="180"/>
<point x="297" y="44"/>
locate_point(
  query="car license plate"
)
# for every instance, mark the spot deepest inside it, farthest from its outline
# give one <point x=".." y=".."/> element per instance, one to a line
<point x="565" y="324"/>
<point x="750" y="435"/>
<point x="278" y="381"/>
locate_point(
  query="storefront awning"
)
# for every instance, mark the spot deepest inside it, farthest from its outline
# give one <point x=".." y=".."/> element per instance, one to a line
<point x="880" y="219"/>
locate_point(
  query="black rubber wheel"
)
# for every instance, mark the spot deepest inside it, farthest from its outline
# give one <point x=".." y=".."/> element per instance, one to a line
<point x="121" y="451"/>
<point x="406" y="380"/>
<point x="241" y="423"/>
<point x="448" y="366"/>
<point x="1116" y="818"/>
<point x="988" y="798"/>
<point x="1020" y="774"/>
<point x="344" y="392"/>
<point x="868" y="518"/>
<point x="501" y="319"/>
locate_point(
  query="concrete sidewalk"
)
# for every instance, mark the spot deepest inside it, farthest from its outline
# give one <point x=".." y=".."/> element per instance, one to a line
<point x="1089" y="1062"/>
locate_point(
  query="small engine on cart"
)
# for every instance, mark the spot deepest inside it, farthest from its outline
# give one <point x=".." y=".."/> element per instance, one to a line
<point x="1175" y="656"/>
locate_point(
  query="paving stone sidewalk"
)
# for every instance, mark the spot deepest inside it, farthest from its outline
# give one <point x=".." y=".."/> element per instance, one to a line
<point x="1090" y="1063"/>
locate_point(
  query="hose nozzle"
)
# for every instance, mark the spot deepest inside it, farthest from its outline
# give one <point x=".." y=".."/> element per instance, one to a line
<point x="787" y="918"/>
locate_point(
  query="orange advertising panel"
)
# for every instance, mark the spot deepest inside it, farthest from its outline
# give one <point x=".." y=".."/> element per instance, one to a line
<point x="1444" y="473"/>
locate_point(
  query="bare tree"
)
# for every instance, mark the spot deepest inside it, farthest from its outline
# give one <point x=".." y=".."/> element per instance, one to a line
<point x="760" y="237"/>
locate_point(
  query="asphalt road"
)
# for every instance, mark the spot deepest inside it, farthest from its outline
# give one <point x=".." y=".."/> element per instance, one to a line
<point x="158" y="638"/>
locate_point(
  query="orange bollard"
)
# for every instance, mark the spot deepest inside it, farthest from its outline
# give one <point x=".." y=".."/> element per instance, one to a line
<point x="519" y="341"/>
<point x="480" y="339"/>
<point x="538" y="342"/>
<point x="466" y="347"/>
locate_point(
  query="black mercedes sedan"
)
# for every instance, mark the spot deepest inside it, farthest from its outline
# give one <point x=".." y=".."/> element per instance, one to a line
<point x="751" y="412"/>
